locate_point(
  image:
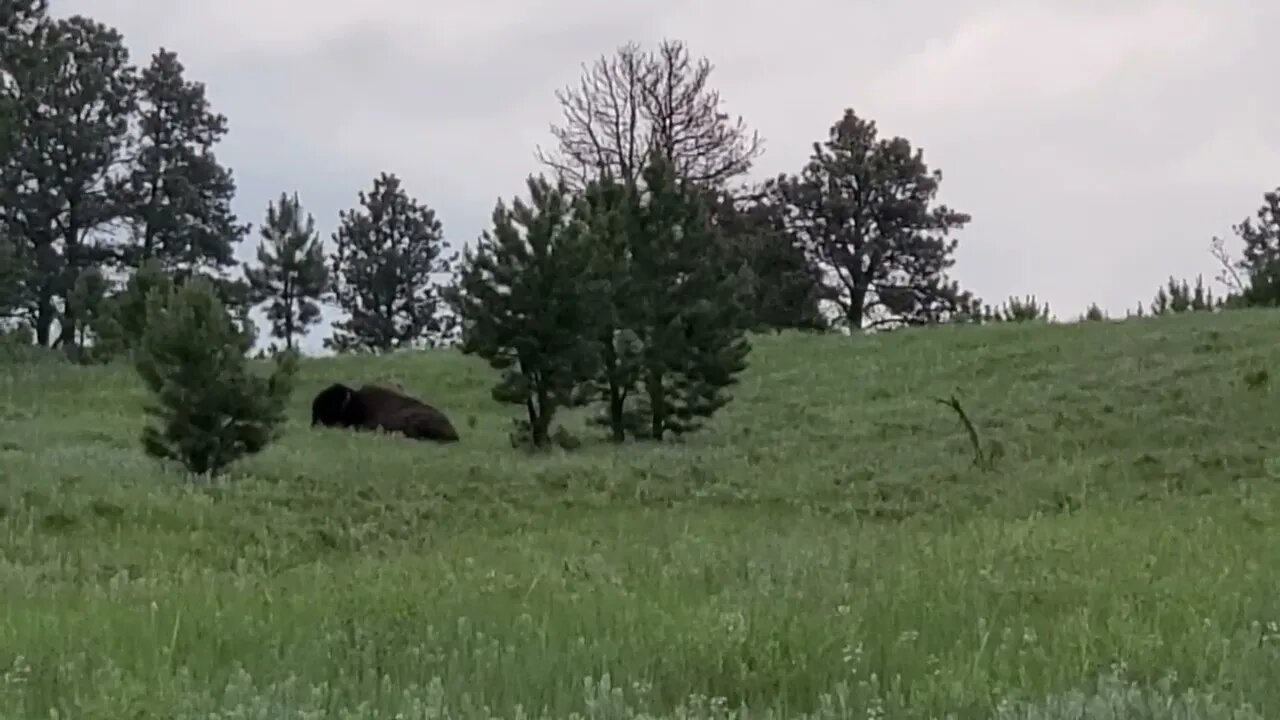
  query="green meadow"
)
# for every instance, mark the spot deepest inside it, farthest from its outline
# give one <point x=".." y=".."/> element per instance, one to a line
<point x="827" y="548"/>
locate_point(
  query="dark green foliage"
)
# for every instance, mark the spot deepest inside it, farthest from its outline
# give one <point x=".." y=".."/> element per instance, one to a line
<point x="237" y="296"/>
<point x="8" y="135"/>
<point x="1261" y="234"/>
<point x="16" y="16"/>
<point x="292" y="274"/>
<point x="89" y="304"/>
<point x="784" y="289"/>
<point x="607" y="210"/>
<point x="12" y="266"/>
<point x="1094" y="314"/>
<point x="119" y="327"/>
<point x="682" y="307"/>
<point x="635" y="103"/>
<point x="861" y="208"/>
<point x="1024" y="309"/>
<point x="387" y="252"/>
<point x="177" y="197"/>
<point x="1260" y="284"/>
<point x="1179" y="297"/>
<point x="208" y="409"/>
<point x="71" y="96"/>
<point x="528" y="305"/>
<point x="12" y="271"/>
<point x="1263" y="289"/>
<point x="18" y="19"/>
<point x="17" y="347"/>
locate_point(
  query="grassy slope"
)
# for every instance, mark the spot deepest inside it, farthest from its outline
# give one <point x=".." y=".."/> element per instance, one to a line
<point x="828" y="535"/>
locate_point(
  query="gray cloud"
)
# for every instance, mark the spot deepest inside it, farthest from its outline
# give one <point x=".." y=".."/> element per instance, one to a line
<point x="1099" y="144"/>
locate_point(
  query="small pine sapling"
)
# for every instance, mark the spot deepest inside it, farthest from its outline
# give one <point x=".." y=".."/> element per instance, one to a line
<point x="685" y="307"/>
<point x="209" y="409"/>
<point x="292" y="274"/>
<point x="88" y="306"/>
<point x="524" y="296"/>
<point x="607" y="209"/>
<point x="386" y="253"/>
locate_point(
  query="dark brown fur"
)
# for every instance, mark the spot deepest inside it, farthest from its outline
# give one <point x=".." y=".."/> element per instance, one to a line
<point x="373" y="407"/>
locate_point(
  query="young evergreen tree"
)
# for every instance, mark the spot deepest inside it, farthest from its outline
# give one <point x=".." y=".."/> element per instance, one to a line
<point x="386" y="254"/>
<point x="89" y="304"/>
<point x="209" y="410"/>
<point x="607" y="211"/>
<point x="292" y="274"/>
<point x="1094" y="313"/>
<point x="683" y="305"/>
<point x="1179" y="297"/>
<point x="118" y="328"/>
<point x="1014" y="310"/>
<point x="528" y="304"/>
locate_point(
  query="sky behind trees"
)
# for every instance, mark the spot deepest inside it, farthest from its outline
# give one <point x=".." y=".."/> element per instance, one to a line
<point x="1098" y="145"/>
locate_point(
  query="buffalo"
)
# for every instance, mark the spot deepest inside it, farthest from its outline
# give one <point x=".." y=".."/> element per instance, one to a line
<point x="373" y="407"/>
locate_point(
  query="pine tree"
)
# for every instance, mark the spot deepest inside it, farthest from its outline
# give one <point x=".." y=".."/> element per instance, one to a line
<point x="386" y="254"/>
<point x="525" y="296"/>
<point x="177" y="196"/>
<point x="292" y="274"/>
<point x="89" y="304"/>
<point x="70" y="93"/>
<point x="785" y="289"/>
<point x="1017" y="310"/>
<point x="607" y="209"/>
<point x="1179" y="297"/>
<point x="863" y="209"/>
<point x="208" y="409"/>
<point x="1260" y="235"/>
<point x="119" y="328"/>
<point x="684" y="306"/>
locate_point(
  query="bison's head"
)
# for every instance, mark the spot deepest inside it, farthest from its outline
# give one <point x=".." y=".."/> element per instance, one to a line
<point x="338" y="405"/>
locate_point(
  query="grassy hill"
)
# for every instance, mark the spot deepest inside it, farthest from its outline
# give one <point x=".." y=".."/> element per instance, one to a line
<point x="827" y="547"/>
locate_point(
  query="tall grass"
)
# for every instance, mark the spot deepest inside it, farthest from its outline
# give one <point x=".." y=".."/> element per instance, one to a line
<point x="826" y="549"/>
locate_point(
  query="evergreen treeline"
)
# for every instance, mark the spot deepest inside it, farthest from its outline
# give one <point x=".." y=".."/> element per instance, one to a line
<point x="628" y="277"/>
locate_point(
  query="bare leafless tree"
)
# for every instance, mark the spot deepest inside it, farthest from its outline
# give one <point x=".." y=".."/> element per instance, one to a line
<point x="634" y="102"/>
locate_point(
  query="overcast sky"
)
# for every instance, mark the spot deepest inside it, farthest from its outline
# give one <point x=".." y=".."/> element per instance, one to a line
<point x="1098" y="144"/>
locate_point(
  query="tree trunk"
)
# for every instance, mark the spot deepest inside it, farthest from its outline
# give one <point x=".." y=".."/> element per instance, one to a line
<point x="542" y="423"/>
<point x="657" y="405"/>
<point x="533" y="419"/>
<point x="44" y="316"/>
<point x="617" y="398"/>
<point x="617" y="422"/>
<point x="854" y="313"/>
